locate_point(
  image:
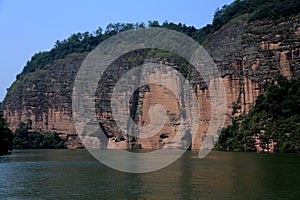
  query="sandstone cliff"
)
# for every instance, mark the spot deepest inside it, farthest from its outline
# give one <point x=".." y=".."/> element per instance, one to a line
<point x="248" y="54"/>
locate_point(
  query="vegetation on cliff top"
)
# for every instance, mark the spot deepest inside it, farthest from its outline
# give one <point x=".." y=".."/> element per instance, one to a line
<point x="275" y="117"/>
<point x="85" y="42"/>
<point x="258" y="10"/>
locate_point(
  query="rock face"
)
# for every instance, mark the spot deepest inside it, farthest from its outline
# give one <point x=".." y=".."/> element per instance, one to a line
<point x="248" y="55"/>
<point x="42" y="100"/>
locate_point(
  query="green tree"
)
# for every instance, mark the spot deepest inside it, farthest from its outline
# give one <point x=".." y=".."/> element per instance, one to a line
<point x="275" y="117"/>
<point x="5" y="137"/>
<point x="23" y="139"/>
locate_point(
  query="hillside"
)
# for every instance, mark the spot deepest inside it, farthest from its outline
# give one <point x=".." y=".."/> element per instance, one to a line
<point x="273" y="124"/>
<point x="252" y="49"/>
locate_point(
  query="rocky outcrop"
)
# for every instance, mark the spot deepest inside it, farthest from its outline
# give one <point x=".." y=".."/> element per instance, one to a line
<point x="248" y="55"/>
<point x="42" y="99"/>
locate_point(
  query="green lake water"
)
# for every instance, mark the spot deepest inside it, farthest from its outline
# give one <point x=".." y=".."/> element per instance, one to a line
<point x="74" y="174"/>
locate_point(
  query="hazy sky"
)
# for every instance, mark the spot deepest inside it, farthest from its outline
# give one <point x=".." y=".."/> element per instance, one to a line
<point x="30" y="26"/>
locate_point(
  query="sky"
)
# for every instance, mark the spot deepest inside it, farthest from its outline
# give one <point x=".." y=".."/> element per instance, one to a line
<point x="28" y="27"/>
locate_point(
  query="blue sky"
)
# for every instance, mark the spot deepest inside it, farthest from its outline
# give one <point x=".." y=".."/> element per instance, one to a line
<point x="30" y="26"/>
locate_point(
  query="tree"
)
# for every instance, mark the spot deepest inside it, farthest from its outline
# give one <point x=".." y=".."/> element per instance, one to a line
<point x="23" y="139"/>
<point x="274" y="117"/>
<point x="5" y="137"/>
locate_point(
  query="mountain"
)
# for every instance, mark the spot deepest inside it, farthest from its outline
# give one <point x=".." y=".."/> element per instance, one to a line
<point x="253" y="43"/>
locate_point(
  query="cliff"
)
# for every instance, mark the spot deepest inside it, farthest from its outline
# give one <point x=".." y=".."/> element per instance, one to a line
<point x="271" y="125"/>
<point x="42" y="99"/>
<point x="249" y="55"/>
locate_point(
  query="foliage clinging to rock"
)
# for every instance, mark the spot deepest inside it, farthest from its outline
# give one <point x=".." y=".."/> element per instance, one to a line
<point x="275" y="116"/>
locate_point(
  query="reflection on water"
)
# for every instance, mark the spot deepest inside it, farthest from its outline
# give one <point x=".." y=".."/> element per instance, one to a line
<point x="74" y="174"/>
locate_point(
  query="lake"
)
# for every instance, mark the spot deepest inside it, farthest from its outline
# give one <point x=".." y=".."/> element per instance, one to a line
<point x="75" y="174"/>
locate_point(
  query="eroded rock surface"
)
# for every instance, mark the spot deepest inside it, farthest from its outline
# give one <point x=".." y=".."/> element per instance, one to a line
<point x="248" y="55"/>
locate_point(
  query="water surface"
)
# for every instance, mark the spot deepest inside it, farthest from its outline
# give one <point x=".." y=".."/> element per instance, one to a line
<point x="74" y="174"/>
